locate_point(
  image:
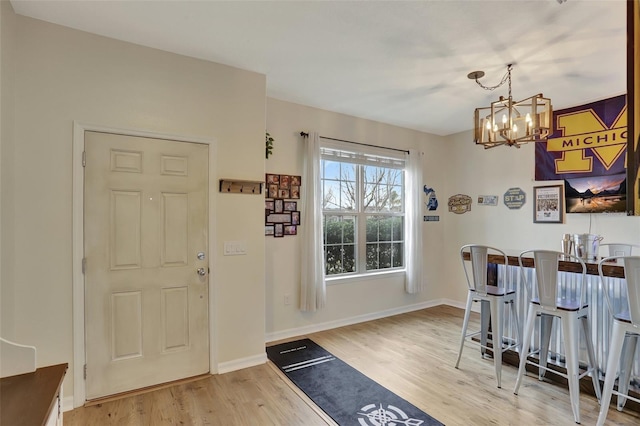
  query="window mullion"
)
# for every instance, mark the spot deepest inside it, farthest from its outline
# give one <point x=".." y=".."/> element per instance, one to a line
<point x="361" y="246"/>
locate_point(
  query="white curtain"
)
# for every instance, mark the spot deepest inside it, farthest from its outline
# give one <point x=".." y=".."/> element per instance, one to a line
<point x="414" y="282"/>
<point x="313" y="290"/>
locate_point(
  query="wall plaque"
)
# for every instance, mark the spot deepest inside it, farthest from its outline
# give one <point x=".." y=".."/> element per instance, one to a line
<point x="514" y="198"/>
<point x="459" y="203"/>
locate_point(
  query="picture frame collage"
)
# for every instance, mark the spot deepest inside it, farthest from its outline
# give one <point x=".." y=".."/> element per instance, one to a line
<point x="282" y="216"/>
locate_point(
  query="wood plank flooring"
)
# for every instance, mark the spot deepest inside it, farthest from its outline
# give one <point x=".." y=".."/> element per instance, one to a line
<point x="411" y="354"/>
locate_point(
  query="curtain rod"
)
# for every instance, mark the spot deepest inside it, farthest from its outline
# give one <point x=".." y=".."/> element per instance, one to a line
<point x="303" y="134"/>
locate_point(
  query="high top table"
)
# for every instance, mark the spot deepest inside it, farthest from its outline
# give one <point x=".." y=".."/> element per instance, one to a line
<point x="609" y="269"/>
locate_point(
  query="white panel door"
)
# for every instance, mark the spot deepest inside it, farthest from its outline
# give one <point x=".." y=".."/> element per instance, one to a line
<point x="146" y="275"/>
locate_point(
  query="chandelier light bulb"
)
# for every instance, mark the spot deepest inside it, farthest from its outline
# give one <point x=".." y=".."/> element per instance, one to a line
<point x="515" y="128"/>
<point x="489" y="125"/>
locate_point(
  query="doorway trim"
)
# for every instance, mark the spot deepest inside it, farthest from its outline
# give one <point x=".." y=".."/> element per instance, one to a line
<point x="78" y="283"/>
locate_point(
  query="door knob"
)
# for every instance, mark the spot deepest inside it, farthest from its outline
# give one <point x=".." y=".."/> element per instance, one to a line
<point x="202" y="272"/>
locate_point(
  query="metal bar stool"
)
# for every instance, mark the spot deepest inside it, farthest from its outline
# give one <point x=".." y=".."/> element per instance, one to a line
<point x="496" y="296"/>
<point x="626" y="322"/>
<point x="619" y="249"/>
<point x="549" y="305"/>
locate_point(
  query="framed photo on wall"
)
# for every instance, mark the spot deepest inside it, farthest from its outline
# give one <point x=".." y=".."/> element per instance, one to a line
<point x="548" y="204"/>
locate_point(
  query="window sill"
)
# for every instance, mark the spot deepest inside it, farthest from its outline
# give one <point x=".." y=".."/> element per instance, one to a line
<point x="345" y="279"/>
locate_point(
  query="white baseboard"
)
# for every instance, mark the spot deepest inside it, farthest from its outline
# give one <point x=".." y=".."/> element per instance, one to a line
<point x="300" y="331"/>
<point x="239" y="364"/>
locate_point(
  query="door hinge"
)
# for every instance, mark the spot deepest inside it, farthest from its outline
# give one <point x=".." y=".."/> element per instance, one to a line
<point x="84" y="158"/>
<point x="85" y="371"/>
<point x="84" y="264"/>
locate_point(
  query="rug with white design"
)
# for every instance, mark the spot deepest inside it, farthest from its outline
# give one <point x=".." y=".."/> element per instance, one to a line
<point x="346" y="395"/>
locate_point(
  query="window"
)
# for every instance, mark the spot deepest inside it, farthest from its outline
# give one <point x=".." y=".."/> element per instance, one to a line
<point x="363" y="209"/>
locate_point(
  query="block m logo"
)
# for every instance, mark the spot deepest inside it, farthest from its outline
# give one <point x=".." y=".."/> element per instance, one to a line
<point x="584" y="129"/>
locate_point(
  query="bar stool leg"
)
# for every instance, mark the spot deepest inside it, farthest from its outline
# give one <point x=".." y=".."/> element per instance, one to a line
<point x="485" y="320"/>
<point x="497" y="324"/>
<point x="514" y="318"/>
<point x="465" y="324"/>
<point x="570" y="329"/>
<point x="528" y="331"/>
<point x="626" y="364"/>
<point x="615" y="349"/>
<point x="592" y="357"/>
<point x="546" y="323"/>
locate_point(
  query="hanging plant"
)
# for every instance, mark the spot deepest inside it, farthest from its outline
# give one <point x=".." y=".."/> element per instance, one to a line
<point x="269" y="145"/>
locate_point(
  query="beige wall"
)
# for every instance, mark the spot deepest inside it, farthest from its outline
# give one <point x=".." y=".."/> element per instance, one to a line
<point x="7" y="82"/>
<point x="62" y="75"/>
<point x="354" y="298"/>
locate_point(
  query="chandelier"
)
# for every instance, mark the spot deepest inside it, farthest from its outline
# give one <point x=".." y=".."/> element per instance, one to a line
<point x="511" y="123"/>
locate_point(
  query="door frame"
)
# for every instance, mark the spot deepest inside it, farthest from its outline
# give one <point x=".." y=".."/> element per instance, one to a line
<point x="78" y="279"/>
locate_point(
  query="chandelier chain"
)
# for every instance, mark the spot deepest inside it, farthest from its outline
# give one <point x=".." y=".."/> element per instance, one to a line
<point x="505" y="78"/>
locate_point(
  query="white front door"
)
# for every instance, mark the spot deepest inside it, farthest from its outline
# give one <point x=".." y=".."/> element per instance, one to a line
<point x="146" y="254"/>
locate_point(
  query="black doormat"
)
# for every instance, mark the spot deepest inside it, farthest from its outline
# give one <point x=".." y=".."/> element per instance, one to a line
<point x="346" y="395"/>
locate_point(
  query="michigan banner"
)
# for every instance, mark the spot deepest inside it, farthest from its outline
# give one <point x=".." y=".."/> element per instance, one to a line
<point x="587" y="140"/>
<point x="588" y="150"/>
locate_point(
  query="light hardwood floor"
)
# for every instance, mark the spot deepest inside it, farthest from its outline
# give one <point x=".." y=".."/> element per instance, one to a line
<point x="411" y="354"/>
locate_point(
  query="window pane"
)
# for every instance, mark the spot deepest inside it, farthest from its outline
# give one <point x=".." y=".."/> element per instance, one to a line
<point x="348" y="229"/>
<point x="347" y="195"/>
<point x="349" y="258"/>
<point x="372" y="257"/>
<point x="384" y="255"/>
<point x="396" y="203"/>
<point x="330" y="170"/>
<point x="330" y="194"/>
<point x="398" y="229"/>
<point x="372" y="229"/>
<point x="332" y="260"/>
<point x="384" y="228"/>
<point x="397" y="255"/>
<point x="332" y="230"/>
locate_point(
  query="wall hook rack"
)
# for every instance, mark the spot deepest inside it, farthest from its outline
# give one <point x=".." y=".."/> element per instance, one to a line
<point x="234" y="186"/>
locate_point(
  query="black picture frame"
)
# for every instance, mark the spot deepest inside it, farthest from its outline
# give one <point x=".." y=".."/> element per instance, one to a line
<point x="548" y="204"/>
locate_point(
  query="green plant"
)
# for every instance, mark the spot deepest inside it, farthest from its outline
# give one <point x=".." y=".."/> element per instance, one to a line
<point x="269" y="144"/>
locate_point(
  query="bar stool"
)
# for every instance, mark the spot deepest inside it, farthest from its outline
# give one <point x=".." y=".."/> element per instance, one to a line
<point x="496" y="296"/>
<point x="619" y="249"/>
<point x="549" y="304"/>
<point x="626" y="322"/>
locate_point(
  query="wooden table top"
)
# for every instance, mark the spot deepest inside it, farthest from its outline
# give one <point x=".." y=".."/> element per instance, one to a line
<point x="27" y="399"/>
<point x="609" y="269"/>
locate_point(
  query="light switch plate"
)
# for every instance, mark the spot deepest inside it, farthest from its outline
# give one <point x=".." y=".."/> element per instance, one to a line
<point x="235" y="248"/>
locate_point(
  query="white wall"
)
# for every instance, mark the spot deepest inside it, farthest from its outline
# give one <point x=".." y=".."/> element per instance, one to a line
<point x="476" y="171"/>
<point x="362" y="298"/>
<point x="62" y="75"/>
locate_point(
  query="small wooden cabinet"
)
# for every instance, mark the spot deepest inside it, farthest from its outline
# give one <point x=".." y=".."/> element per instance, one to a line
<point x="33" y="398"/>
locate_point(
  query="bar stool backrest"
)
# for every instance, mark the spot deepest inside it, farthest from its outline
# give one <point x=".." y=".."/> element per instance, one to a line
<point x="546" y="274"/>
<point x="479" y="259"/>
<point x="619" y="249"/>
<point x="632" y="277"/>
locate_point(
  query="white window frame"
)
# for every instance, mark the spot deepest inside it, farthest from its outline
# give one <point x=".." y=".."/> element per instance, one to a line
<point x="373" y="156"/>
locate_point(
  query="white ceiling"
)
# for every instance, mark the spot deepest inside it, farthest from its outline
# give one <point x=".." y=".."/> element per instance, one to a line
<point x="403" y="63"/>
